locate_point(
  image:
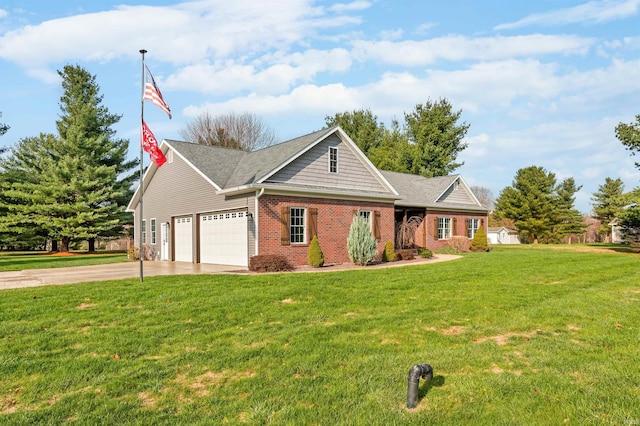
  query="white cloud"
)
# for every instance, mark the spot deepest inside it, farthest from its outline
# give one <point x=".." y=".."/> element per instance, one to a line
<point x="3" y="13"/>
<point x="458" y="48"/>
<point x="355" y="5"/>
<point x="593" y="12"/>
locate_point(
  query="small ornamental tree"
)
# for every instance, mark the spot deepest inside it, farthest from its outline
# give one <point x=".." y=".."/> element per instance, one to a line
<point x="315" y="257"/>
<point x="479" y="242"/>
<point x="361" y="244"/>
<point x="388" y="255"/>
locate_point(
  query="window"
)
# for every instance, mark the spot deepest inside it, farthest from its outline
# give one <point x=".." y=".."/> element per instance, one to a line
<point x="297" y="225"/>
<point x="170" y="156"/>
<point x="365" y="214"/>
<point x="144" y="231"/>
<point x="472" y="227"/>
<point x="333" y="159"/>
<point x="153" y="231"/>
<point x="444" y="228"/>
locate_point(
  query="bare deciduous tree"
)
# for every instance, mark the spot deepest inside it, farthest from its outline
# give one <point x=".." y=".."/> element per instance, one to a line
<point x="484" y="195"/>
<point x="245" y="131"/>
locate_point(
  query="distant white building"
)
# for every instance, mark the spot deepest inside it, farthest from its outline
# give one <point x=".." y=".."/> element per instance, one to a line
<point x="503" y="235"/>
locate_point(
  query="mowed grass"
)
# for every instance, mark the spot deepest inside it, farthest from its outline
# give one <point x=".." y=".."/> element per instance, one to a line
<point x="23" y="261"/>
<point x="515" y="336"/>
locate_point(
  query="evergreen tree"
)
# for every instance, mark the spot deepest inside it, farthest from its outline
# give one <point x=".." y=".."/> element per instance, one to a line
<point x="84" y="116"/>
<point x="362" y="126"/>
<point x="479" y="241"/>
<point x="361" y="245"/>
<point x="73" y="186"/>
<point x="315" y="257"/>
<point x="569" y="221"/>
<point x="608" y="202"/>
<point x="3" y="127"/>
<point x="529" y="202"/>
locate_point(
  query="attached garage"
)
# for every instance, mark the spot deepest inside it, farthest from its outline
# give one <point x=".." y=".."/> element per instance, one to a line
<point x="224" y="238"/>
<point x="183" y="237"/>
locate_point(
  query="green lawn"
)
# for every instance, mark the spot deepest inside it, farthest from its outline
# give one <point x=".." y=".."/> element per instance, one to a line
<point x="22" y="261"/>
<point x="515" y="336"/>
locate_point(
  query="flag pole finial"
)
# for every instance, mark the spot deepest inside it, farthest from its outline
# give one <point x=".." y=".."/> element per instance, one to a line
<point x="143" y="51"/>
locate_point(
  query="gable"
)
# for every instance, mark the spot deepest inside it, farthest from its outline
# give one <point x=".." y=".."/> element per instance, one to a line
<point x="312" y="169"/>
<point x="457" y="193"/>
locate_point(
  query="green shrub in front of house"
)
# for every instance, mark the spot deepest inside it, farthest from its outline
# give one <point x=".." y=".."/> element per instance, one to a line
<point x="425" y="253"/>
<point x="480" y="242"/>
<point x="388" y="255"/>
<point x="315" y="257"/>
<point x="361" y="244"/>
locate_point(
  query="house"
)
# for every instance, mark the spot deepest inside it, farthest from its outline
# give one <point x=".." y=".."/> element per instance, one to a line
<point x="218" y="205"/>
<point x="503" y="235"/>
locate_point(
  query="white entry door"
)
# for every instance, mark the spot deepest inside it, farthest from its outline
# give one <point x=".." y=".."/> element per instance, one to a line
<point x="183" y="244"/>
<point x="164" y="241"/>
<point x="224" y="238"/>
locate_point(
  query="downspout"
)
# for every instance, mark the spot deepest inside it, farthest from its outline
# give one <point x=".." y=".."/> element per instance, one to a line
<point x="255" y="219"/>
<point x="420" y="370"/>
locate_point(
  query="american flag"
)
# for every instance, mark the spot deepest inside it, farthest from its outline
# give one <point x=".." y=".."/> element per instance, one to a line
<point x="150" y="145"/>
<point x="153" y="94"/>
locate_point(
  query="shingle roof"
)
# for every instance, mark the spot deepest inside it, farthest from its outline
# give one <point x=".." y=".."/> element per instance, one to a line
<point x="418" y="191"/>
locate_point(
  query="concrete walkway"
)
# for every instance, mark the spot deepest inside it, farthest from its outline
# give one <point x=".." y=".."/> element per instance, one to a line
<point x="118" y="271"/>
<point x="112" y="271"/>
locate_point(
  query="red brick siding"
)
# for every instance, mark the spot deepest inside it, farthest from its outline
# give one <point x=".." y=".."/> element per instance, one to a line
<point x="428" y="228"/>
<point x="334" y="221"/>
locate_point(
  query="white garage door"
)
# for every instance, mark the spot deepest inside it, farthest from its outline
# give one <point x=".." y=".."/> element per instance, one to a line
<point x="224" y="238"/>
<point x="183" y="239"/>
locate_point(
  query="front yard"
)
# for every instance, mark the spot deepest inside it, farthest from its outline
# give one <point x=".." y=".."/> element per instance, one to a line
<point x="515" y="336"/>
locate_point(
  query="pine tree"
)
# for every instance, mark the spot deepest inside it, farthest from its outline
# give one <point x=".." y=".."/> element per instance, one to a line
<point x="479" y="241"/>
<point x="71" y="186"/>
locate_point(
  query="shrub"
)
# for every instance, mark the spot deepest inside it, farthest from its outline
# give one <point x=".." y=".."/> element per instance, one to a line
<point x="269" y="263"/>
<point x="425" y="253"/>
<point x="315" y="257"/>
<point x="405" y="254"/>
<point x="388" y="255"/>
<point x="479" y="242"/>
<point x="361" y="244"/>
<point x="459" y="244"/>
<point x="446" y="250"/>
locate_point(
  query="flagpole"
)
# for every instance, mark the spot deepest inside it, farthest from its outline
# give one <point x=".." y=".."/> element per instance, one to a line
<point x="142" y="52"/>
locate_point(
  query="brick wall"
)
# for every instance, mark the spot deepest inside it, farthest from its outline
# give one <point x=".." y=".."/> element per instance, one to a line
<point x="334" y="221"/>
<point x="427" y="235"/>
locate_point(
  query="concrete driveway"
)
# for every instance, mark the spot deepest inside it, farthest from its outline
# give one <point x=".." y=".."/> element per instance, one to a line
<point x="112" y="271"/>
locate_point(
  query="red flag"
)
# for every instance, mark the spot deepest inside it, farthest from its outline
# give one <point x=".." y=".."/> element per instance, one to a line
<point x="150" y="145"/>
<point x="153" y="94"/>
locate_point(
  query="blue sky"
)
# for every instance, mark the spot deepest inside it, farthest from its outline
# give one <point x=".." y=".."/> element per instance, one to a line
<point x="541" y="83"/>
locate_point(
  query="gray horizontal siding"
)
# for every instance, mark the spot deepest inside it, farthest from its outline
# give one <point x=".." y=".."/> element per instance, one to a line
<point x="312" y="168"/>
<point x="457" y="195"/>
<point x="177" y="190"/>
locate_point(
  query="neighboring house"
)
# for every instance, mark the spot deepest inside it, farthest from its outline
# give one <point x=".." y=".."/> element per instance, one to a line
<point x="617" y="237"/>
<point x="218" y="205"/>
<point x="503" y="235"/>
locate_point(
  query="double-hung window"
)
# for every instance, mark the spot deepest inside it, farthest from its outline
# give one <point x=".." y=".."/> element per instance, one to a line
<point x="472" y="227"/>
<point x="297" y="225"/>
<point x="153" y="231"/>
<point x="144" y="231"/>
<point x="444" y="228"/>
<point x="333" y="159"/>
<point x="366" y="215"/>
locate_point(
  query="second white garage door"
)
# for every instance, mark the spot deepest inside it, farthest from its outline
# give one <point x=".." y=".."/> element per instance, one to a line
<point x="224" y="238"/>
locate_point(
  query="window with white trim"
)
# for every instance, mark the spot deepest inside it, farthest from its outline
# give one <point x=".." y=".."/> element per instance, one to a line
<point x="333" y="159"/>
<point x="366" y="214"/>
<point x="444" y="228"/>
<point x="472" y="227"/>
<point x="153" y="231"/>
<point x="297" y="225"/>
<point x="144" y="231"/>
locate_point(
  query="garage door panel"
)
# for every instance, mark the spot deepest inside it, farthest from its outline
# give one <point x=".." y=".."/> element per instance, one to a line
<point x="224" y="238"/>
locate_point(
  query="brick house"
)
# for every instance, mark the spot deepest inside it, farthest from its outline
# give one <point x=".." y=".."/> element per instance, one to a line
<point x="218" y="205"/>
